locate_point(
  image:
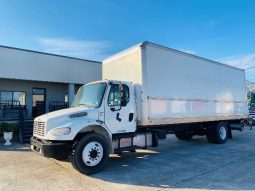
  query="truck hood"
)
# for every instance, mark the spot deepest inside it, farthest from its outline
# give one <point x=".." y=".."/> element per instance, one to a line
<point x="67" y="114"/>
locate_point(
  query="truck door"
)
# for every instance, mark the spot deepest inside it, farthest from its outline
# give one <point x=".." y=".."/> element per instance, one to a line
<point x="120" y="108"/>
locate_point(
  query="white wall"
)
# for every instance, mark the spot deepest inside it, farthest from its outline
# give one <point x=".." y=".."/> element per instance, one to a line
<point x="178" y="75"/>
<point x="124" y="67"/>
<point x="27" y="65"/>
<point x="177" y="87"/>
<point x="181" y="87"/>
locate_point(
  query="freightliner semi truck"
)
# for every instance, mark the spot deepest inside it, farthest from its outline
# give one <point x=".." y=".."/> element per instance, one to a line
<point x="147" y="91"/>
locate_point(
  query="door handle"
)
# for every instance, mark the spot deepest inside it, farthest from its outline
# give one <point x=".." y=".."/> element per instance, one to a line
<point x="118" y="117"/>
<point x="131" y="116"/>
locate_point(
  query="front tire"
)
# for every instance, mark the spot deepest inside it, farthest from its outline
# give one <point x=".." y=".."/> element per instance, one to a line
<point x="90" y="154"/>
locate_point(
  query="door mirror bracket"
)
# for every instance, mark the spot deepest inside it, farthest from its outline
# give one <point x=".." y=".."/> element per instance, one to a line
<point x="116" y="108"/>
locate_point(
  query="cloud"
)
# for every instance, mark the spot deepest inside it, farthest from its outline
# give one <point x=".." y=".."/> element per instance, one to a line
<point x="244" y="61"/>
<point x="86" y="49"/>
<point x="211" y="24"/>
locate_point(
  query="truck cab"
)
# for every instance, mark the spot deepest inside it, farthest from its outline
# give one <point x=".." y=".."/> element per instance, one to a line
<point x="92" y="128"/>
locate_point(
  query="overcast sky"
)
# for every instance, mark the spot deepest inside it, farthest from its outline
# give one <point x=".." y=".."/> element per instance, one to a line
<point x="222" y="30"/>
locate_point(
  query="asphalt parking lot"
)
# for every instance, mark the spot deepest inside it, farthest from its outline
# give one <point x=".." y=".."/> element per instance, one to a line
<point x="174" y="165"/>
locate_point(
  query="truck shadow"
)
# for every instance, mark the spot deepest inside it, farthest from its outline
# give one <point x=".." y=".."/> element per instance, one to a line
<point x="194" y="165"/>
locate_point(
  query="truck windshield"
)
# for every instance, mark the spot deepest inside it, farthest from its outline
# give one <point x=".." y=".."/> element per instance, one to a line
<point x="90" y="95"/>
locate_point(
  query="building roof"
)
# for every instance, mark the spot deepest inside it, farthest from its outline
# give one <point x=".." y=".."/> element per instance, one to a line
<point x="50" y="54"/>
<point x="21" y="64"/>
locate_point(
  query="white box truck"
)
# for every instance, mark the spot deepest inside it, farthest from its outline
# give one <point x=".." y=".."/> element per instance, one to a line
<point x="147" y="91"/>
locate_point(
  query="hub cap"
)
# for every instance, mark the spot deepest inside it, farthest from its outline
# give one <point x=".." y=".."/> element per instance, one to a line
<point x="92" y="153"/>
<point x="223" y="132"/>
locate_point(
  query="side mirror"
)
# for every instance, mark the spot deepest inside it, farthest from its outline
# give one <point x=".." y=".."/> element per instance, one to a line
<point x="123" y="102"/>
<point x="116" y="108"/>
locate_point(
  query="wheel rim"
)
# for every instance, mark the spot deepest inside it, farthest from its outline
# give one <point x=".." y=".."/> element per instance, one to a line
<point x="92" y="153"/>
<point x="222" y="132"/>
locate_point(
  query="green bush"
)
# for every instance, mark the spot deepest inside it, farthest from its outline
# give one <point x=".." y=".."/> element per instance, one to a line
<point x="8" y="127"/>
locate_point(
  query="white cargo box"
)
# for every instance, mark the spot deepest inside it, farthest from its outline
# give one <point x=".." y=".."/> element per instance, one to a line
<point x="176" y="87"/>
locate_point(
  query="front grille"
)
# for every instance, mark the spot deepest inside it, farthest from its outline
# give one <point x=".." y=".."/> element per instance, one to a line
<point x="39" y="128"/>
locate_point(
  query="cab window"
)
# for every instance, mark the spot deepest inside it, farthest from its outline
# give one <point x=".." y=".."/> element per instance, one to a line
<point x="124" y="95"/>
<point x="119" y="95"/>
<point x="114" y="95"/>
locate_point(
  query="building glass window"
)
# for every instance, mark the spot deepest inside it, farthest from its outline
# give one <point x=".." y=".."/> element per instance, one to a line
<point x="12" y="97"/>
<point x="38" y="101"/>
<point x="38" y="91"/>
<point x="19" y="97"/>
<point x="6" y="96"/>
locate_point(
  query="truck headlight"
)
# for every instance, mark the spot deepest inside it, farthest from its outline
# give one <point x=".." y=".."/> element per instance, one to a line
<point x="60" y="131"/>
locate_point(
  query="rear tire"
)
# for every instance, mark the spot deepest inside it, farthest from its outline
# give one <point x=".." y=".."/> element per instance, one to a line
<point x="90" y="154"/>
<point x="217" y="134"/>
<point x="184" y="135"/>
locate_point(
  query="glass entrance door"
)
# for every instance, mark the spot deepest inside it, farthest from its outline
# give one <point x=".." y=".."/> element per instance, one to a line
<point x="39" y="102"/>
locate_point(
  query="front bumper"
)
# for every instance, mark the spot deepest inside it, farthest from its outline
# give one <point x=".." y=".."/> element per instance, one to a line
<point x="57" y="150"/>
